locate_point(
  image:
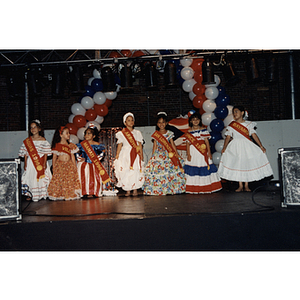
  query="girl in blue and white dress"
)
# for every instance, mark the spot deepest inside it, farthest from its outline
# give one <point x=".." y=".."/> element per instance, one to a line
<point x="242" y="160"/>
<point x="200" y="172"/>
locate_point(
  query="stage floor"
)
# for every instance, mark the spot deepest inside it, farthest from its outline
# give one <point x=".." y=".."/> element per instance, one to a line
<point x="226" y="201"/>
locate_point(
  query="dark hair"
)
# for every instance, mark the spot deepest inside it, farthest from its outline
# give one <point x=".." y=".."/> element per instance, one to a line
<point x="38" y="124"/>
<point x="160" y="116"/>
<point x="56" y="137"/>
<point x="239" y="107"/>
<point x="193" y="116"/>
<point x="95" y="132"/>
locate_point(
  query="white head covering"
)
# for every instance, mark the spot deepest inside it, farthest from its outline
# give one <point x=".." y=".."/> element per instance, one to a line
<point x="126" y="116"/>
<point x="162" y="113"/>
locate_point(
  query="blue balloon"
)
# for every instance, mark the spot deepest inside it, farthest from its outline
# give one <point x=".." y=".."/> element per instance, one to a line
<point x="222" y="101"/>
<point x="215" y="136"/>
<point x="221" y="112"/>
<point x="221" y="90"/>
<point x="216" y="125"/>
<point x="89" y="91"/>
<point x="97" y="84"/>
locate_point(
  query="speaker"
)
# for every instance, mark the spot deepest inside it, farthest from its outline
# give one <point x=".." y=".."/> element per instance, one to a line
<point x="10" y="194"/>
<point x="289" y="175"/>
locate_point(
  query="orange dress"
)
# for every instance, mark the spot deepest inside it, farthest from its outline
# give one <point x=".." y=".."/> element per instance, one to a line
<point x="65" y="184"/>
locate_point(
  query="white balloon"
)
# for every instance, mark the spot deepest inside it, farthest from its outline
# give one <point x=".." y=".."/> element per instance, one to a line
<point x="80" y="133"/>
<point x="187" y="73"/>
<point x="71" y="117"/>
<point x="216" y="158"/>
<point x="99" y="98"/>
<point x="87" y="102"/>
<point x="217" y="81"/>
<point x="99" y="119"/>
<point x="219" y="145"/>
<point x="229" y="107"/>
<point x="186" y="62"/>
<point x="223" y="133"/>
<point x="90" y="80"/>
<point x="77" y="109"/>
<point x="228" y="120"/>
<point x="207" y="118"/>
<point x="211" y="93"/>
<point x="96" y="74"/>
<point x="74" y="139"/>
<point x="209" y="105"/>
<point x="118" y="88"/>
<point x="111" y="95"/>
<point x="93" y="123"/>
<point x="188" y="85"/>
<point x="192" y="95"/>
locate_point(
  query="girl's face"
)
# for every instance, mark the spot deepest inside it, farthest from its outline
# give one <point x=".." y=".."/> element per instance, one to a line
<point x="65" y="134"/>
<point x="161" y="124"/>
<point x="237" y="114"/>
<point x="195" y="121"/>
<point x="89" y="136"/>
<point x="129" y="121"/>
<point x="34" y="129"/>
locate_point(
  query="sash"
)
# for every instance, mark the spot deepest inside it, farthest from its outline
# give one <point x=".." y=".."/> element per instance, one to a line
<point x="162" y="140"/>
<point x="240" y="129"/>
<point x="94" y="158"/>
<point x="135" y="148"/>
<point x="199" y="145"/>
<point x="36" y="159"/>
<point x="62" y="148"/>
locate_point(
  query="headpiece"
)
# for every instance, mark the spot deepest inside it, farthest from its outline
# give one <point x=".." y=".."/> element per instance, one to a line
<point x="246" y="115"/>
<point x="61" y="129"/>
<point x="126" y="116"/>
<point x="162" y="113"/>
<point x="92" y="126"/>
<point x="36" y="121"/>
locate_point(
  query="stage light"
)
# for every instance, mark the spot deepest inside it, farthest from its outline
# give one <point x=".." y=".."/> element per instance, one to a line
<point x="108" y="80"/>
<point x="35" y="81"/>
<point x="229" y="73"/>
<point x="76" y="78"/>
<point x="208" y="72"/>
<point x="126" y="76"/>
<point x="271" y="69"/>
<point x="252" y="70"/>
<point x="16" y="84"/>
<point x="150" y="75"/>
<point x="170" y="75"/>
<point x="58" y="83"/>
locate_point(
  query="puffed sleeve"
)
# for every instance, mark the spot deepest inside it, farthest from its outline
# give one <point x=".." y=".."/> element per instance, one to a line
<point x="251" y="129"/>
<point x="205" y="134"/>
<point x="138" y="136"/>
<point x="22" y="151"/>
<point x="120" y="137"/>
<point x="45" y="148"/>
<point x="228" y="131"/>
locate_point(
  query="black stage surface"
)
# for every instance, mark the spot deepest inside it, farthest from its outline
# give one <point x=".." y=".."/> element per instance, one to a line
<point x="225" y="221"/>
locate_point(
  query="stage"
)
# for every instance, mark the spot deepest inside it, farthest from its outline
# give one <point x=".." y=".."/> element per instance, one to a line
<point x="225" y="221"/>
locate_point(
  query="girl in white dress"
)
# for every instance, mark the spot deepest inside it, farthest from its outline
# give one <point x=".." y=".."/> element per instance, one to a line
<point x="242" y="160"/>
<point x="129" y="164"/>
<point x="36" y="176"/>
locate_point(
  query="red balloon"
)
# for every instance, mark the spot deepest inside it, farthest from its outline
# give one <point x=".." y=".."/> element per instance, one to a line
<point x="197" y="64"/>
<point x="90" y="115"/>
<point x="72" y="128"/>
<point x="126" y="53"/>
<point x="202" y="111"/>
<point x="101" y="110"/>
<point x="79" y="121"/>
<point x="108" y="102"/>
<point x="198" y="76"/>
<point x="198" y="101"/>
<point x="198" y="89"/>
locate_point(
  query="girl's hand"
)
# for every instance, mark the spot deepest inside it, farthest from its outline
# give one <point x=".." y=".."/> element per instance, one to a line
<point x="189" y="157"/>
<point x="117" y="156"/>
<point x="223" y="150"/>
<point x="209" y="156"/>
<point x="263" y="149"/>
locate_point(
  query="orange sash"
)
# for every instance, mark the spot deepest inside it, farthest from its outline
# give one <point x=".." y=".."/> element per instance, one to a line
<point x="240" y="129"/>
<point x="199" y="145"/>
<point x="94" y="158"/>
<point x="162" y="140"/>
<point x="62" y="148"/>
<point x="36" y="159"/>
<point x="135" y="148"/>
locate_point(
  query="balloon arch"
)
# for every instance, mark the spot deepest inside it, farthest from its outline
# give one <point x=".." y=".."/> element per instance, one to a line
<point x="211" y="100"/>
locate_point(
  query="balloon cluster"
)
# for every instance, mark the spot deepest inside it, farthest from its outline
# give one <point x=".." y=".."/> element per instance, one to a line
<point x="212" y="102"/>
<point x="91" y="108"/>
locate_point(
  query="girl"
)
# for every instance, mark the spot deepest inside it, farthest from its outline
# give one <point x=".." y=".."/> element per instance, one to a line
<point x="90" y="170"/>
<point x="65" y="183"/>
<point x="129" y="165"/>
<point x="242" y="160"/>
<point x="163" y="173"/>
<point x="200" y="172"/>
<point x="37" y="174"/>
